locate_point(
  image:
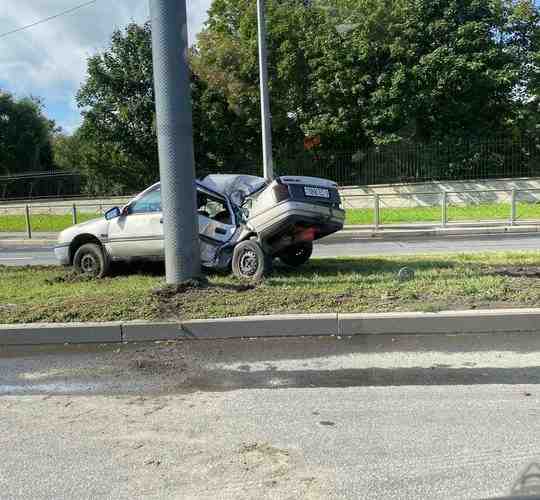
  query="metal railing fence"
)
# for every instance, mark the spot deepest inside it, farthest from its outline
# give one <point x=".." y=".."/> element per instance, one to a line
<point x="371" y="210"/>
<point x="443" y="208"/>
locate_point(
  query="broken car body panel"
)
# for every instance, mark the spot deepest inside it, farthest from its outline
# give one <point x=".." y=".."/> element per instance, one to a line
<point x="231" y="208"/>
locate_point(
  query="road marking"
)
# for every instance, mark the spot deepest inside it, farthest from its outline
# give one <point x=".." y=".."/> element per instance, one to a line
<point x="16" y="258"/>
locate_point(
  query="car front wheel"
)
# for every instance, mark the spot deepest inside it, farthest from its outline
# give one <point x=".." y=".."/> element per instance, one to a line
<point x="249" y="261"/>
<point x="90" y="260"/>
<point x="297" y="254"/>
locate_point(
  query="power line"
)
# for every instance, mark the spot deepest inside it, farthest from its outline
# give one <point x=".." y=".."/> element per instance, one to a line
<point x="50" y="18"/>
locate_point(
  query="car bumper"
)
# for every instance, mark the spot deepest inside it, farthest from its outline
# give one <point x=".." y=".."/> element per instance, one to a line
<point x="61" y="253"/>
<point x="327" y="219"/>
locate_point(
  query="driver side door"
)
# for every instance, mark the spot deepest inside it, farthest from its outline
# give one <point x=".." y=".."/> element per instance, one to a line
<point x="139" y="231"/>
<point x="216" y="224"/>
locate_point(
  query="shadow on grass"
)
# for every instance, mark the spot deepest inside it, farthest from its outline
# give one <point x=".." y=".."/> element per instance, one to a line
<point x="364" y="267"/>
<point x="316" y="267"/>
<point x="319" y="267"/>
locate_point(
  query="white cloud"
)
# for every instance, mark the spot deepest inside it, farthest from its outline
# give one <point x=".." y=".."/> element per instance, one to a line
<point x="49" y="60"/>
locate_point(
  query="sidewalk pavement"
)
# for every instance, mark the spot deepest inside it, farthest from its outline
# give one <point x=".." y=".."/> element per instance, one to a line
<point x="389" y="231"/>
<point x="38" y="239"/>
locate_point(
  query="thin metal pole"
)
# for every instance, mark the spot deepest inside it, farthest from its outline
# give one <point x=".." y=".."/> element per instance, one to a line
<point x="74" y="213"/>
<point x="175" y="139"/>
<point x="444" y="209"/>
<point x="376" y="210"/>
<point x="266" y="122"/>
<point x="513" y="207"/>
<point x="28" y="224"/>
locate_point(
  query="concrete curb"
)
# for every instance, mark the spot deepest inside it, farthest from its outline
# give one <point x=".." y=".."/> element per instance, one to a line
<point x="445" y="322"/>
<point x="287" y="325"/>
<point x="27" y="243"/>
<point x="283" y="325"/>
<point x="448" y="232"/>
<point x="61" y="333"/>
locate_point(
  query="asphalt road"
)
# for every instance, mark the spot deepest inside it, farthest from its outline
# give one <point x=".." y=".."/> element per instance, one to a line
<point x="342" y="246"/>
<point x="354" y="246"/>
<point x="14" y="255"/>
<point x="369" y="417"/>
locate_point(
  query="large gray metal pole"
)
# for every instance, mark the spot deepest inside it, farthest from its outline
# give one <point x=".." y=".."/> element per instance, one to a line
<point x="268" y="163"/>
<point x="175" y="139"/>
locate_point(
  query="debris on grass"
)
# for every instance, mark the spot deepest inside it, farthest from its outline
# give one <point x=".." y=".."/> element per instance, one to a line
<point x="518" y="271"/>
<point x="405" y="274"/>
<point x="169" y="291"/>
<point x="69" y="277"/>
<point x="198" y="284"/>
<point x="8" y="307"/>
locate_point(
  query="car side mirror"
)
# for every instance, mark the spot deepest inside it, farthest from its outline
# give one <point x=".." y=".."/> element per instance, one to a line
<point x="113" y="213"/>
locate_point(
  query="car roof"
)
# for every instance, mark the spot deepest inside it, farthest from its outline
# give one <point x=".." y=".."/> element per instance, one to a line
<point x="229" y="183"/>
<point x="223" y="184"/>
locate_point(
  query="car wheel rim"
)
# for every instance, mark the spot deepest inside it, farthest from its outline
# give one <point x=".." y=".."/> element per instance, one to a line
<point x="89" y="264"/>
<point x="248" y="263"/>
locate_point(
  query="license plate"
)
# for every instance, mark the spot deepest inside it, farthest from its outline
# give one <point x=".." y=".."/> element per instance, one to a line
<point x="316" y="192"/>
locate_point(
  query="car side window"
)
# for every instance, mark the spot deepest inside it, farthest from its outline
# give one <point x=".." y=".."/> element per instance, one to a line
<point x="213" y="208"/>
<point x="150" y="202"/>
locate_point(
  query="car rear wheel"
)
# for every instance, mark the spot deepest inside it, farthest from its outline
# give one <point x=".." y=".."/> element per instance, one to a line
<point x="249" y="261"/>
<point x="297" y="255"/>
<point x="90" y="260"/>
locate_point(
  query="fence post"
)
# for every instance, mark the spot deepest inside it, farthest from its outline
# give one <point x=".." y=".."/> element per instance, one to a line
<point x="444" y="209"/>
<point x="376" y="210"/>
<point x="74" y="213"/>
<point x="28" y="225"/>
<point x="513" y="207"/>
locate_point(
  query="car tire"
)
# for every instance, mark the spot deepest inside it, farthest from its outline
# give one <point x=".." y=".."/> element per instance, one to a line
<point x="91" y="260"/>
<point x="250" y="262"/>
<point x="297" y="254"/>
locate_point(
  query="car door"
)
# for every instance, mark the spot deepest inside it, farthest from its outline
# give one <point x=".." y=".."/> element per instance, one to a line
<point x="216" y="223"/>
<point x="139" y="231"/>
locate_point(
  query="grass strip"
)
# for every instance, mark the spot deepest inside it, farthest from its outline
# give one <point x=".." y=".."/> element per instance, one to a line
<point x="441" y="282"/>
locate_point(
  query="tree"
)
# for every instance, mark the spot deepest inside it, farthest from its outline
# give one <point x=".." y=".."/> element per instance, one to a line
<point x="118" y="135"/>
<point x="25" y="136"/>
<point x="355" y="73"/>
<point x="117" y="100"/>
<point x="419" y="70"/>
<point x="404" y="70"/>
<point x="227" y="58"/>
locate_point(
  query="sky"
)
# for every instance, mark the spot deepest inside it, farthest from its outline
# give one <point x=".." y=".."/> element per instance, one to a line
<point x="49" y="60"/>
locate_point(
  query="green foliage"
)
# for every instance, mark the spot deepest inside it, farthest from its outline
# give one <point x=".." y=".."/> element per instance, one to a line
<point x="116" y="147"/>
<point x="25" y="136"/>
<point x="117" y="139"/>
<point x="357" y="73"/>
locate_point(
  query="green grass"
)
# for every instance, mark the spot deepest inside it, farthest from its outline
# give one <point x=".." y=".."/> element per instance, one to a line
<point x="326" y="285"/>
<point x="41" y="222"/>
<point x="487" y="211"/>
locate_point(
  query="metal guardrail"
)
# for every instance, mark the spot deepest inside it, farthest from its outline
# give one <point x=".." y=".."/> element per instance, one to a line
<point x="48" y="218"/>
<point x="447" y="201"/>
<point x="512" y="206"/>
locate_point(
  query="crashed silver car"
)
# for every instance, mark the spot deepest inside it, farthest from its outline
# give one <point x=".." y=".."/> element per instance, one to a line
<point x="244" y="223"/>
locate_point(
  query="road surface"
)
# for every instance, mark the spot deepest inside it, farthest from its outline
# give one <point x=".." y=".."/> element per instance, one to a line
<point x="342" y="246"/>
<point x="321" y="418"/>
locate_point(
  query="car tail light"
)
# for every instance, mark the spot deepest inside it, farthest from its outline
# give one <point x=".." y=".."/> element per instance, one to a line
<point x="308" y="234"/>
<point x="281" y="192"/>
